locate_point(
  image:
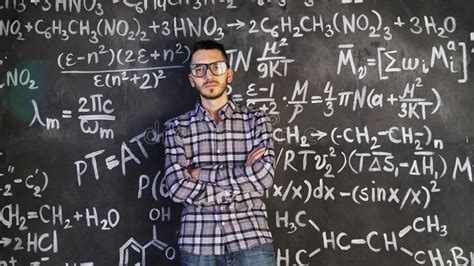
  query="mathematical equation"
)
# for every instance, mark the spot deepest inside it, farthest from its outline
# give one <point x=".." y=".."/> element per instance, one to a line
<point x="362" y="101"/>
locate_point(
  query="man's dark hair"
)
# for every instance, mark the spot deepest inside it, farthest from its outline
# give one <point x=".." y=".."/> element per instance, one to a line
<point x="208" y="45"/>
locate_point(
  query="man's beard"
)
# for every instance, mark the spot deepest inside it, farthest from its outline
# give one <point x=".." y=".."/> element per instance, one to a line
<point x="211" y="96"/>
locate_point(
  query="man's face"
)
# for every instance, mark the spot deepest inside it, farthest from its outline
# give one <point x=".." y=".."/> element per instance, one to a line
<point x="210" y="86"/>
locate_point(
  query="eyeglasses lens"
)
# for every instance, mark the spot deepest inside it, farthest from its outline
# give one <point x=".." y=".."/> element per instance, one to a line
<point x="217" y="68"/>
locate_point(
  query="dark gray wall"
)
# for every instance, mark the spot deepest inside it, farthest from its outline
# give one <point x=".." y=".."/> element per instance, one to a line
<point x="371" y="106"/>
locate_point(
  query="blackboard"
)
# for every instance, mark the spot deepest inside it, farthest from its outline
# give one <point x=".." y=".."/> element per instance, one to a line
<point x="370" y="103"/>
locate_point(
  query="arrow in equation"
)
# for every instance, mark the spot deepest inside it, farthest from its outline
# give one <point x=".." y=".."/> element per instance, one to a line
<point x="320" y="134"/>
<point x="5" y="241"/>
<point x="239" y="24"/>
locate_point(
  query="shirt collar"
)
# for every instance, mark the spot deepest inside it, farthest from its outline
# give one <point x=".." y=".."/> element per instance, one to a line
<point x="226" y="111"/>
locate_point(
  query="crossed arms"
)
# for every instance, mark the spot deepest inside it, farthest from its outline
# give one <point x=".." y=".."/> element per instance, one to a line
<point x="219" y="183"/>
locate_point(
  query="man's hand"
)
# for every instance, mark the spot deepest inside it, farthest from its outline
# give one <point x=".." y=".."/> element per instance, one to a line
<point x="255" y="155"/>
<point x="194" y="172"/>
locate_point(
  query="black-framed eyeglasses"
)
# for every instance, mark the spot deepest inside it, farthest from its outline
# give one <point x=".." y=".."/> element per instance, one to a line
<point x="217" y="68"/>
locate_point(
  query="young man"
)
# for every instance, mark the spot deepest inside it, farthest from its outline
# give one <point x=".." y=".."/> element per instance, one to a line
<point x="219" y="162"/>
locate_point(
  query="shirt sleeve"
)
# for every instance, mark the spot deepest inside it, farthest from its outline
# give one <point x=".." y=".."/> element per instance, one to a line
<point x="181" y="186"/>
<point x="257" y="177"/>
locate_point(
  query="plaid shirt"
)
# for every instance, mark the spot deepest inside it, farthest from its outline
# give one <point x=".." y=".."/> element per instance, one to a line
<point x="223" y="210"/>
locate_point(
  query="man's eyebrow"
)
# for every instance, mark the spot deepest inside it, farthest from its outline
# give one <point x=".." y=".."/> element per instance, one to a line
<point x="209" y="62"/>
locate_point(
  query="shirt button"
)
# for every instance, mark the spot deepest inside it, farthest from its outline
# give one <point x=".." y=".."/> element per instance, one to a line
<point x="223" y="223"/>
<point x="218" y="151"/>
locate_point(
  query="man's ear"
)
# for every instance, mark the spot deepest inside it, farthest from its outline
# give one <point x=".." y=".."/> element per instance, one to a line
<point x="191" y="80"/>
<point x="230" y="75"/>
